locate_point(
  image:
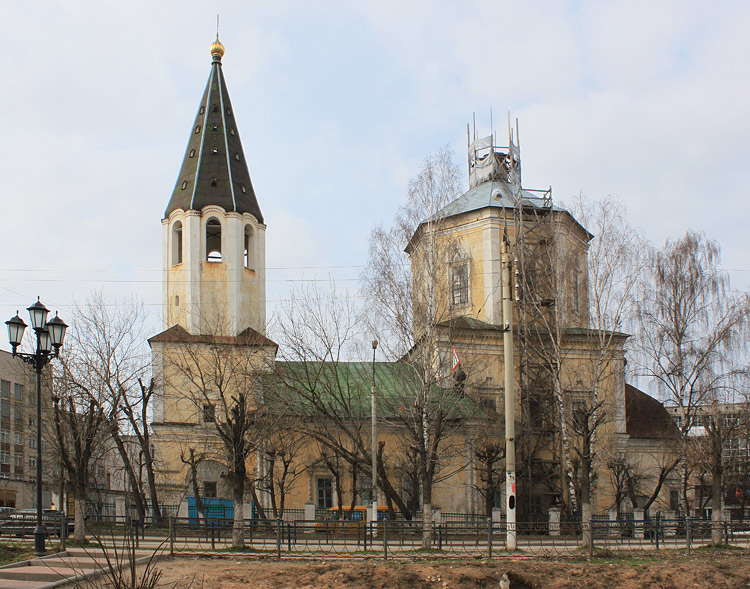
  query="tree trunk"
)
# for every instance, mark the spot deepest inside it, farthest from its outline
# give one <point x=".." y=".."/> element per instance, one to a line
<point x="155" y="508"/>
<point x="427" y="523"/>
<point x="258" y="507"/>
<point x="717" y="513"/>
<point x="238" y="532"/>
<point x="79" y="532"/>
<point x="354" y="491"/>
<point x="135" y="487"/>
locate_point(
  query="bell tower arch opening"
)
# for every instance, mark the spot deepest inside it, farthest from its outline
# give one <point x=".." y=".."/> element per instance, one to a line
<point x="247" y="248"/>
<point x="213" y="240"/>
<point x="177" y="243"/>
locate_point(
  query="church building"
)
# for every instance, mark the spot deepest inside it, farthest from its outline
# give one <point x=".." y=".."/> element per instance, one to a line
<point x="214" y="348"/>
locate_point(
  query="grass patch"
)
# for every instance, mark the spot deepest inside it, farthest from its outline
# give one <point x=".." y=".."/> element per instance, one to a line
<point x="10" y="552"/>
<point x="719" y="547"/>
<point x="79" y="543"/>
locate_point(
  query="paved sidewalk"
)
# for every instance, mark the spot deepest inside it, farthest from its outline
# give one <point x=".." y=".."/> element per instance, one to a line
<point x="58" y="569"/>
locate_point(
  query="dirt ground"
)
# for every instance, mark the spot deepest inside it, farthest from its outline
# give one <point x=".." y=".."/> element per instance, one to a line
<point x="714" y="569"/>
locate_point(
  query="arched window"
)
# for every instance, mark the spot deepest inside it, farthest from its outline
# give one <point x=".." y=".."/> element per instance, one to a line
<point x="177" y="243"/>
<point x="213" y="240"/>
<point x="248" y="247"/>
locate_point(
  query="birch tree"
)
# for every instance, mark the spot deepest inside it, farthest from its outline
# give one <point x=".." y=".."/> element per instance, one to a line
<point x="691" y="327"/>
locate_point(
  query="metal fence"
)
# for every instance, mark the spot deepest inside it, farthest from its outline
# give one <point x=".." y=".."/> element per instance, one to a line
<point x="469" y="538"/>
<point x="394" y="538"/>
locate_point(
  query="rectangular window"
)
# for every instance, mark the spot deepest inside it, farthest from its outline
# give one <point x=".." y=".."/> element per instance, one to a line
<point x="32" y="442"/>
<point x="4" y="389"/>
<point x="365" y="491"/>
<point x="5" y="436"/>
<point x="18" y="393"/>
<point x="324" y="492"/>
<point x="209" y="413"/>
<point x="18" y="415"/>
<point x="209" y="489"/>
<point x="18" y="460"/>
<point x="5" y="408"/>
<point x="32" y="462"/>
<point x="4" y="457"/>
<point x="460" y="284"/>
<point x="18" y="439"/>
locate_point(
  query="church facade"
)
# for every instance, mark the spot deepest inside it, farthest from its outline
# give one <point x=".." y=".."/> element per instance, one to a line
<point x="214" y="347"/>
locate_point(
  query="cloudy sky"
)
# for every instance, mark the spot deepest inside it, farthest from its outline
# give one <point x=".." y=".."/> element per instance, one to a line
<point x="337" y="104"/>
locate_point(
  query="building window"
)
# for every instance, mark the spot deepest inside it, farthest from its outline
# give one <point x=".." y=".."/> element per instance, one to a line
<point x="18" y="439"/>
<point x="4" y="389"/>
<point x="213" y="240"/>
<point x="324" y="487"/>
<point x="5" y="408"/>
<point x="32" y="442"/>
<point x="460" y="284"/>
<point x="209" y="489"/>
<point x="209" y="413"/>
<point x="5" y="436"/>
<point x="177" y="243"/>
<point x="32" y="461"/>
<point x="4" y="457"/>
<point x="18" y="393"/>
<point x="18" y="460"/>
<point x="248" y="242"/>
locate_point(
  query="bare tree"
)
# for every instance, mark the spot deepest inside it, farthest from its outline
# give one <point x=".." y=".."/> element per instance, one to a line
<point x="281" y="452"/>
<point x="490" y="456"/>
<point x="104" y="359"/>
<point x="221" y="379"/>
<point x="193" y="460"/>
<point x="78" y="434"/>
<point x="615" y="259"/>
<point x="691" y="324"/>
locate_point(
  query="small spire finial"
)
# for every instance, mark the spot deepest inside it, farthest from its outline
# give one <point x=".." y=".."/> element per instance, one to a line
<point x="217" y="49"/>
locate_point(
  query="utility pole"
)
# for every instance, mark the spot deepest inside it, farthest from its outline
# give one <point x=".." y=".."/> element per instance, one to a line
<point x="374" y="441"/>
<point x="510" y="400"/>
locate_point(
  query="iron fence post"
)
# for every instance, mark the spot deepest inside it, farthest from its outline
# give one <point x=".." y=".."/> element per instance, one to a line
<point x="63" y="530"/>
<point x="591" y="537"/>
<point x="385" y="541"/>
<point x="489" y="537"/>
<point x="278" y="538"/>
<point x="440" y="536"/>
<point x="688" y="532"/>
<point x="171" y="535"/>
<point x="289" y="537"/>
<point x="726" y="533"/>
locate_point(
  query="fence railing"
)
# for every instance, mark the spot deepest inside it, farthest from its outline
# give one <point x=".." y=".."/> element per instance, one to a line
<point x="454" y="537"/>
<point x="468" y="537"/>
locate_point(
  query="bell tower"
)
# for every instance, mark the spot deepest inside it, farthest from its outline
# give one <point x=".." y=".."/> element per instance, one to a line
<point x="213" y="231"/>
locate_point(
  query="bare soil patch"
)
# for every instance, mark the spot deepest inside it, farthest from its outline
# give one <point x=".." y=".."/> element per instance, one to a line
<point x="713" y="569"/>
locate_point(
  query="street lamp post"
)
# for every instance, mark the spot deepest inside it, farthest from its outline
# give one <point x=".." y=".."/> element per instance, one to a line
<point x="49" y="339"/>
<point x="374" y="441"/>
